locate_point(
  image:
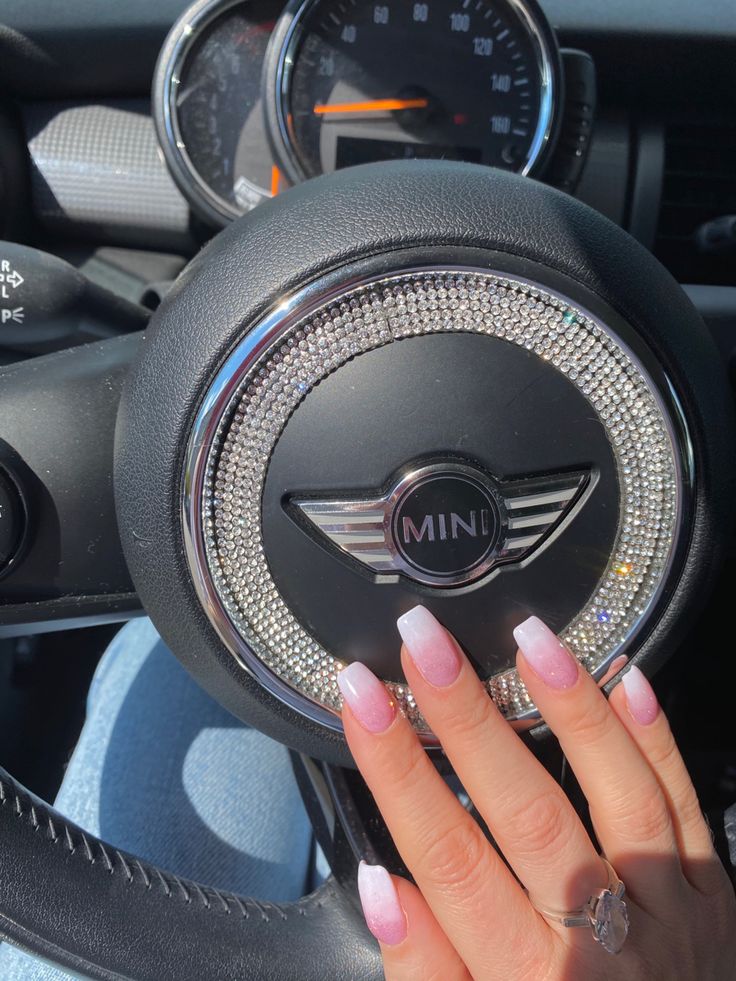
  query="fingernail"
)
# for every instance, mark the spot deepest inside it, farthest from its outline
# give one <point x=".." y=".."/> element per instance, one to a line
<point x="381" y="907"/>
<point x="546" y="654"/>
<point x="618" y="664"/>
<point x="429" y="647"/>
<point x="367" y="697"/>
<point x="640" y="698"/>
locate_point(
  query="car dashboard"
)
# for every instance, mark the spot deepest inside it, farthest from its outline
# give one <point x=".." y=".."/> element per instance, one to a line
<point x="150" y="126"/>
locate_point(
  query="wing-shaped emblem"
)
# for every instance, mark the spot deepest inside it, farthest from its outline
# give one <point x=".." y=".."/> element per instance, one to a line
<point x="534" y="507"/>
<point x="489" y="523"/>
<point x="356" y="527"/>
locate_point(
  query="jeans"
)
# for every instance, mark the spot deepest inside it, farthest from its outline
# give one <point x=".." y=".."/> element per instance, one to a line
<point x="162" y="771"/>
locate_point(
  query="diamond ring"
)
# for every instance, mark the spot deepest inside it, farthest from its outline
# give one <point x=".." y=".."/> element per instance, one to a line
<point x="604" y="913"/>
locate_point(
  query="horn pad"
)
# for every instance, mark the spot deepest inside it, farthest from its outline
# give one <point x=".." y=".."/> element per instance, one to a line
<point x="482" y="396"/>
<point x="474" y="408"/>
<point x="444" y="435"/>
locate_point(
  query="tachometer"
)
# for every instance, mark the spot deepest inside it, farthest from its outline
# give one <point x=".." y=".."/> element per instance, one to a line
<point x="356" y="81"/>
<point x="208" y="107"/>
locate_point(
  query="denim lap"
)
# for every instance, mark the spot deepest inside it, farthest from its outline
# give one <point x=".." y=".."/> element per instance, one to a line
<point x="162" y="771"/>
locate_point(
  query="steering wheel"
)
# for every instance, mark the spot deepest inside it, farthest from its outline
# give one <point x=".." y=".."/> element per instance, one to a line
<point x="406" y="382"/>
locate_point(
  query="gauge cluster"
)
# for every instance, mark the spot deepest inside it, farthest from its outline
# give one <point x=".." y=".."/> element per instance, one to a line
<point x="253" y="95"/>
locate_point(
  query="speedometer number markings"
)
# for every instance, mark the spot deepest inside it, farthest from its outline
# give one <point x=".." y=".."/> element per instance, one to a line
<point x="459" y="22"/>
<point x="395" y="80"/>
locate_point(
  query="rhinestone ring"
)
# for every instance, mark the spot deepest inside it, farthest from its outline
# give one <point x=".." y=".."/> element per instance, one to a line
<point x="318" y="331"/>
<point x="604" y="913"/>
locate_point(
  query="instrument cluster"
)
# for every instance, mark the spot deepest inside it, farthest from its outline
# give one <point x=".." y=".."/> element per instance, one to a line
<point x="251" y="96"/>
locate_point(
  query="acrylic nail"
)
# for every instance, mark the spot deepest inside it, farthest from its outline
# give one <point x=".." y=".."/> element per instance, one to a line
<point x="429" y="646"/>
<point x="617" y="665"/>
<point x="545" y="653"/>
<point x="368" y="698"/>
<point x="640" y="698"/>
<point x="381" y="907"/>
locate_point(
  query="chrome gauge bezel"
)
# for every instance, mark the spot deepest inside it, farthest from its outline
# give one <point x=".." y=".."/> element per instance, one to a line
<point x="182" y="37"/>
<point x="286" y="41"/>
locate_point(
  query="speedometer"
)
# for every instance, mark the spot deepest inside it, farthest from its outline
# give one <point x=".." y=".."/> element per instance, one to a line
<point x="353" y="82"/>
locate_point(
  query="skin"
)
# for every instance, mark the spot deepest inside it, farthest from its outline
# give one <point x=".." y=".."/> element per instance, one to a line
<point x="469" y="916"/>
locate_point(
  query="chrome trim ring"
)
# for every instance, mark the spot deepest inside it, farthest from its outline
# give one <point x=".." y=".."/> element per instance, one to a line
<point x="330" y="322"/>
<point x="290" y="29"/>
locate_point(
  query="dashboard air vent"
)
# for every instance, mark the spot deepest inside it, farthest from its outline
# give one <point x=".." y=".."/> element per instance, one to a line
<point x="699" y="184"/>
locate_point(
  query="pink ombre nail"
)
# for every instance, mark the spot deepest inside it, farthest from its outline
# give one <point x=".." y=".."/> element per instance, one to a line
<point x="545" y="653"/>
<point x="381" y="907"/>
<point x="640" y="698"/>
<point x="429" y="647"/>
<point x="367" y="697"/>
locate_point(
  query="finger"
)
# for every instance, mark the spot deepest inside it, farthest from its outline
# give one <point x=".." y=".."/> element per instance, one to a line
<point x="526" y="810"/>
<point x="413" y="945"/>
<point x="473" y="895"/>
<point x="629" y="810"/>
<point x="634" y="702"/>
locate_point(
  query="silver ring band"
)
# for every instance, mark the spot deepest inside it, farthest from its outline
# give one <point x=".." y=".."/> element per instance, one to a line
<point x="605" y="913"/>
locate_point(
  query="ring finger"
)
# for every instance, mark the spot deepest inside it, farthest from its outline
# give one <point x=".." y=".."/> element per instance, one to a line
<point x="630" y="812"/>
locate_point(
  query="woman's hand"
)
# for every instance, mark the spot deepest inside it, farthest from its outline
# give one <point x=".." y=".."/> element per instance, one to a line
<point x="469" y="915"/>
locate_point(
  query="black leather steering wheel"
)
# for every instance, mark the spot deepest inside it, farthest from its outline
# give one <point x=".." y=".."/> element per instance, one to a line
<point x="302" y="345"/>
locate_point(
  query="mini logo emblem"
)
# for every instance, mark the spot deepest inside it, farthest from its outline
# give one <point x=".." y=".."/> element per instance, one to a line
<point x="445" y="524"/>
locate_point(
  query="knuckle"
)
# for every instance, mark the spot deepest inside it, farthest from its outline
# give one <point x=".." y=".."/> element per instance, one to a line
<point x="666" y="760"/>
<point x="591" y="725"/>
<point x="469" y="719"/>
<point x="408" y="768"/>
<point x="457" y="861"/>
<point x="539" y="825"/>
<point x="641" y="816"/>
<point x="664" y="756"/>
<point x="688" y="807"/>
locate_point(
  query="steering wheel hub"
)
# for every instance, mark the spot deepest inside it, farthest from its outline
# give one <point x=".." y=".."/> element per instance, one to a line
<point x="530" y="461"/>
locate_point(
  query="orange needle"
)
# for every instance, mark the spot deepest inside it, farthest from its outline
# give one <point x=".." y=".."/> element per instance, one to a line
<point x="377" y="105"/>
<point x="275" y="180"/>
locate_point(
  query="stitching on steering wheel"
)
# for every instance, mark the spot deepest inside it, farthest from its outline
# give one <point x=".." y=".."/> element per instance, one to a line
<point x="186" y="887"/>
